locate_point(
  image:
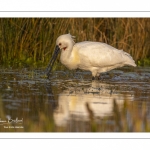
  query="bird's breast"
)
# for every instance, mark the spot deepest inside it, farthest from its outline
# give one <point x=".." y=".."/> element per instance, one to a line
<point x="71" y="61"/>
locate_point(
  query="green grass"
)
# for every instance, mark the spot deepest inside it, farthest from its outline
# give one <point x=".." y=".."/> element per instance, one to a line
<point x="144" y="62"/>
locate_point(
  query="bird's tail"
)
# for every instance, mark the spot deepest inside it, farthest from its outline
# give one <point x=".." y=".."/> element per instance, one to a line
<point x="129" y="60"/>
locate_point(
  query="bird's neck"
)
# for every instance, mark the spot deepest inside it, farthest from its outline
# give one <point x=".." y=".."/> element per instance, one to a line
<point x="66" y="54"/>
<point x="70" y="58"/>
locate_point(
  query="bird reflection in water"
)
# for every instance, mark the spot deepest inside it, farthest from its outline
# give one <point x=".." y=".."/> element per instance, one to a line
<point x="99" y="97"/>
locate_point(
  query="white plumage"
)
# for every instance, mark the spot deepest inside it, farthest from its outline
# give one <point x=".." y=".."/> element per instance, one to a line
<point x="96" y="57"/>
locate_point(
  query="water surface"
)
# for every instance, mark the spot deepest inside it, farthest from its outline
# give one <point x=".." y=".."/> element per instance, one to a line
<point x="71" y="102"/>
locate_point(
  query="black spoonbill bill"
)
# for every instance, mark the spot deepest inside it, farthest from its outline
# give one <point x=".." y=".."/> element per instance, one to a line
<point x="96" y="57"/>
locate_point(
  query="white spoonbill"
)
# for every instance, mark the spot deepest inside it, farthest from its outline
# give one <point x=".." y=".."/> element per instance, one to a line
<point x="96" y="57"/>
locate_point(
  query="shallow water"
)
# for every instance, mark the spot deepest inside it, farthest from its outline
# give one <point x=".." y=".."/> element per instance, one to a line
<point x="71" y="101"/>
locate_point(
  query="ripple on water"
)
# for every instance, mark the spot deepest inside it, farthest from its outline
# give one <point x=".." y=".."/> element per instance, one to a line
<point x="66" y="93"/>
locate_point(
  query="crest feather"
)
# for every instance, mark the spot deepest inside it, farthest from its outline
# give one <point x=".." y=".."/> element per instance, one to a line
<point x="73" y="38"/>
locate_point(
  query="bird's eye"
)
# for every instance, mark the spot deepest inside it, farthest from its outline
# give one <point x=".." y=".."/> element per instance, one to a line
<point x="59" y="44"/>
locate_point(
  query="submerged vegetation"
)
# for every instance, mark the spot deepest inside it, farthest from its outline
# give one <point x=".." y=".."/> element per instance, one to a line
<point x="31" y="41"/>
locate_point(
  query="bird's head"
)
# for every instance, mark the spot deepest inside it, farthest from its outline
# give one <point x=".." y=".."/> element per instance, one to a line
<point x="65" y="41"/>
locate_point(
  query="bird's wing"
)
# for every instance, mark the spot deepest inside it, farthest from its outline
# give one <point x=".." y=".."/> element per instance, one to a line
<point x="100" y="54"/>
